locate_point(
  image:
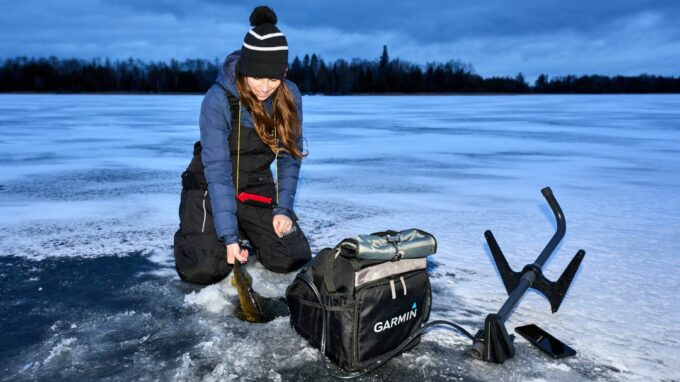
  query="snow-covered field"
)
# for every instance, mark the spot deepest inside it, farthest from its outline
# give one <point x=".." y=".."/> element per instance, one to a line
<point x="89" y="190"/>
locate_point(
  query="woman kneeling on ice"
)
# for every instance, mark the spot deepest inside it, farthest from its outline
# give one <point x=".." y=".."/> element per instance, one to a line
<point x="250" y="118"/>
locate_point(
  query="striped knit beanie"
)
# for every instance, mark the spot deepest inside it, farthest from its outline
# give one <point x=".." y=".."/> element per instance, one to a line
<point x="264" y="53"/>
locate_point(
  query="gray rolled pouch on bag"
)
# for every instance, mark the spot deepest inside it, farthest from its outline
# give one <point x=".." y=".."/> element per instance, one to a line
<point x="386" y="246"/>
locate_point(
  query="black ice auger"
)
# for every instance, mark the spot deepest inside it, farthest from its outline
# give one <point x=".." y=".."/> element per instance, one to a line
<point x="493" y="343"/>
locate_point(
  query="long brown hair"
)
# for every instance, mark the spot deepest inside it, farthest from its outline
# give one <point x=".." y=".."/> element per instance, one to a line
<point x="284" y="118"/>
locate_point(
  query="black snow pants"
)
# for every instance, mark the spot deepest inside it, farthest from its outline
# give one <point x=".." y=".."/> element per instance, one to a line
<point x="278" y="254"/>
<point x="201" y="258"/>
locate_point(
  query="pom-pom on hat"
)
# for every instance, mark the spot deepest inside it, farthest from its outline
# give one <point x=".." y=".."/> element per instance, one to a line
<point x="264" y="53"/>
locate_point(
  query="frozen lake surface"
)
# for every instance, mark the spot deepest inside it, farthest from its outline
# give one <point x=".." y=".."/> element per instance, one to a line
<point x="89" y="191"/>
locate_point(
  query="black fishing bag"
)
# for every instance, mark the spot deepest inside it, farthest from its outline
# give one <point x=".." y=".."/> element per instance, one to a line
<point x="199" y="256"/>
<point x="376" y="293"/>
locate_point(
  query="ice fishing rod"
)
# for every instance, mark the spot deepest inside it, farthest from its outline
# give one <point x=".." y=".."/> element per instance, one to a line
<point x="493" y="343"/>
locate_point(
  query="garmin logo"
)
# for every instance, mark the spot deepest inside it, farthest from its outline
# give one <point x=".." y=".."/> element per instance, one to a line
<point x="394" y="321"/>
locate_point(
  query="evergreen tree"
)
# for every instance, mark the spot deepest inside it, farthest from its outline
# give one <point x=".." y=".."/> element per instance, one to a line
<point x="295" y="73"/>
<point x="383" y="79"/>
<point x="521" y="84"/>
<point x="541" y="84"/>
<point x="384" y="58"/>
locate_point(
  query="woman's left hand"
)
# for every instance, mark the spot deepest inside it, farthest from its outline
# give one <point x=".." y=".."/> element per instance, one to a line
<point x="282" y="224"/>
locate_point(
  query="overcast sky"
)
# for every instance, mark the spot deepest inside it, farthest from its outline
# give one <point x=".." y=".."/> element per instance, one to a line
<point x="498" y="37"/>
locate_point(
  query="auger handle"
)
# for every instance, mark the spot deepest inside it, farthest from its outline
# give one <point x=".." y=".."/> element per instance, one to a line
<point x="561" y="227"/>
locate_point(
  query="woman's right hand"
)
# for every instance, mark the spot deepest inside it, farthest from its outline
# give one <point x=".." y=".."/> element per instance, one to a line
<point x="234" y="251"/>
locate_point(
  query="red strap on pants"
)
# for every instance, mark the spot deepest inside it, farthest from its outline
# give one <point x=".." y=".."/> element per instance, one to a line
<point x="254" y="199"/>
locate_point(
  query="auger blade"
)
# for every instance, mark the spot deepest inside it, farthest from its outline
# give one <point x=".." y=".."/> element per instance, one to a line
<point x="555" y="291"/>
<point x="510" y="278"/>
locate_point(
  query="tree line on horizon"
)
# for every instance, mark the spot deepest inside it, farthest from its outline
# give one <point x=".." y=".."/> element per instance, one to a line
<point x="311" y="74"/>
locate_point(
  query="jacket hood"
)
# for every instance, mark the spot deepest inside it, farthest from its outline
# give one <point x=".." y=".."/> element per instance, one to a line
<point x="226" y="75"/>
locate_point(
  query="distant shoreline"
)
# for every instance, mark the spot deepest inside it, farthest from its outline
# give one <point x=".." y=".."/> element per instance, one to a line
<point x="312" y="75"/>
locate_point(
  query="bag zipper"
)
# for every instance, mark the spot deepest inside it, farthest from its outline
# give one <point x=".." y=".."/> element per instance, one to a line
<point x="355" y="335"/>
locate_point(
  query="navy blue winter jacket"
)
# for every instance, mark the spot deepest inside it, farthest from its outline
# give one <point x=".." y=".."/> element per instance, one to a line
<point x="215" y="124"/>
